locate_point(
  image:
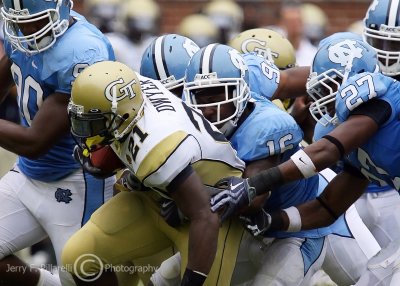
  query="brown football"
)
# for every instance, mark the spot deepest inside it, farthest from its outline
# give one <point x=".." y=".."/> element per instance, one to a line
<point x="105" y="159"/>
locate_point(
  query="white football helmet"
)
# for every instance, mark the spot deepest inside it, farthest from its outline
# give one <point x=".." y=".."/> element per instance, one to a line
<point x="15" y="13"/>
<point x="382" y="31"/>
<point x="218" y="66"/>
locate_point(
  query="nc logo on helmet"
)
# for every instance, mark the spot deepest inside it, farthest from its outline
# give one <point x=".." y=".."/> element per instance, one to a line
<point x="238" y="60"/>
<point x="342" y="52"/>
<point x="190" y="47"/>
<point x="124" y="91"/>
<point x="373" y="5"/>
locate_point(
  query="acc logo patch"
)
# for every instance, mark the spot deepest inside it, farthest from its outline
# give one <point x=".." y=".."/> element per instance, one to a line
<point x="112" y="92"/>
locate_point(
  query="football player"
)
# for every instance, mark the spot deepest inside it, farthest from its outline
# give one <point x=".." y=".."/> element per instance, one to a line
<point x="265" y="136"/>
<point x="381" y="31"/>
<point x="171" y="149"/>
<point x="166" y="58"/>
<point x="288" y="85"/>
<point x="46" y="193"/>
<point x="365" y="104"/>
<point x="378" y="205"/>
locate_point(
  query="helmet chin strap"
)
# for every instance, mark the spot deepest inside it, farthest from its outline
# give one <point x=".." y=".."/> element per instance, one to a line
<point x="42" y="43"/>
<point x="228" y="128"/>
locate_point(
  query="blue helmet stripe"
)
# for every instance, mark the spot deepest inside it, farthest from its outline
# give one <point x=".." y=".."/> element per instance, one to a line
<point x="165" y="66"/>
<point x="153" y="56"/>
<point x="392" y="15"/>
<point x="397" y="14"/>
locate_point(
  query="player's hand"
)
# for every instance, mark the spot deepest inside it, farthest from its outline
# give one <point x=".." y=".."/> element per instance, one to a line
<point x="171" y="213"/>
<point x="236" y="195"/>
<point x="257" y="223"/>
<point x="87" y="165"/>
<point x="128" y="182"/>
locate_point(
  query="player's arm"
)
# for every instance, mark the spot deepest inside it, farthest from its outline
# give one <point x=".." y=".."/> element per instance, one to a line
<point x="361" y="125"/>
<point x="337" y="197"/>
<point x="6" y="78"/>
<point x="49" y="124"/>
<point x="193" y="200"/>
<point x="292" y="83"/>
<point x="354" y="132"/>
<point x="254" y="168"/>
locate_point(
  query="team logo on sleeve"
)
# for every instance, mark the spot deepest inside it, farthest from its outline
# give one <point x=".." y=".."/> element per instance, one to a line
<point x="124" y="91"/>
<point x="345" y="51"/>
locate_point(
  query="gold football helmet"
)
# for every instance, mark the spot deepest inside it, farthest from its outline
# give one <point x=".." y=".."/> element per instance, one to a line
<point x="199" y="28"/>
<point x="106" y="101"/>
<point x="267" y="43"/>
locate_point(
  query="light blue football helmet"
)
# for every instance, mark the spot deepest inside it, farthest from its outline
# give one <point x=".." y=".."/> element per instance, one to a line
<point x="219" y="65"/>
<point x="333" y="64"/>
<point x="382" y="31"/>
<point x="56" y="12"/>
<point x="340" y="36"/>
<point x="166" y="59"/>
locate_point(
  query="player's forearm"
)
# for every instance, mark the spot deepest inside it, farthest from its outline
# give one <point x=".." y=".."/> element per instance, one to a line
<point x="21" y="140"/>
<point x="312" y="215"/>
<point x="303" y="164"/>
<point x="293" y="83"/>
<point x="203" y="238"/>
<point x="6" y="78"/>
<point x="337" y="197"/>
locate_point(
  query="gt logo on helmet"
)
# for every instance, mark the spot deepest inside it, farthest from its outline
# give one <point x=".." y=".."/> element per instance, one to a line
<point x="124" y="91"/>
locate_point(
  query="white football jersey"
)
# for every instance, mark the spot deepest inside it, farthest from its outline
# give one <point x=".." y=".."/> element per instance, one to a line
<point x="169" y="137"/>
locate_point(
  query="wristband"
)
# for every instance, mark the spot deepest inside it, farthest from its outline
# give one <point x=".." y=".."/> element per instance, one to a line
<point x="294" y="219"/>
<point x="304" y="163"/>
<point x="193" y="278"/>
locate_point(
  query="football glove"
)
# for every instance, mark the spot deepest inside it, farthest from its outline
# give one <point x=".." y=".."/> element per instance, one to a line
<point x="171" y="213"/>
<point x="236" y="195"/>
<point x="257" y="223"/>
<point x="129" y="182"/>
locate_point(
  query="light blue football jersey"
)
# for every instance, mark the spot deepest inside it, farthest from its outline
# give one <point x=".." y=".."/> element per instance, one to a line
<point x="264" y="76"/>
<point x="379" y="158"/>
<point x="53" y="70"/>
<point x="269" y="131"/>
<point x="320" y="131"/>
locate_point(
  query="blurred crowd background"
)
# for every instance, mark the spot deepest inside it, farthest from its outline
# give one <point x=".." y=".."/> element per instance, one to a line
<point x="132" y="24"/>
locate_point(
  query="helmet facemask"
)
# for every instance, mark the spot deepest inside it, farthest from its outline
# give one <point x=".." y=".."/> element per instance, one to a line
<point x="386" y="42"/>
<point x="94" y="123"/>
<point x="323" y="89"/>
<point x="42" y="39"/>
<point x="236" y="92"/>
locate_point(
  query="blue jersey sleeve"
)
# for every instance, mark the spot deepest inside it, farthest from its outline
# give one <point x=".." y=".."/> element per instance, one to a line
<point x="268" y="131"/>
<point x="263" y="75"/>
<point x="62" y="65"/>
<point x="359" y="89"/>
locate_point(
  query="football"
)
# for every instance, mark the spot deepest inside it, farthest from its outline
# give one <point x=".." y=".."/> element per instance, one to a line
<point x="106" y="160"/>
